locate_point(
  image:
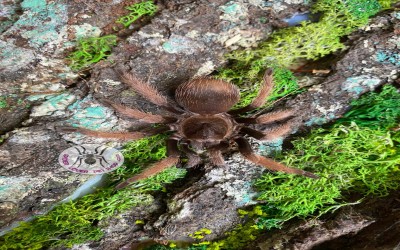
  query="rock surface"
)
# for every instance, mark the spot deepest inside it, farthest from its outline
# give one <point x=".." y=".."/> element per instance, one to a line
<point x="184" y="40"/>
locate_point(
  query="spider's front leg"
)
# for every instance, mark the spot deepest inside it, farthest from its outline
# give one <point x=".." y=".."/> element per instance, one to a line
<point x="246" y="150"/>
<point x="138" y="114"/>
<point x="173" y="154"/>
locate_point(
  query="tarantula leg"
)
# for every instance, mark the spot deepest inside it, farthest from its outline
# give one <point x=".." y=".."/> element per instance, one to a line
<point x="216" y="157"/>
<point x="268" y="135"/>
<point x="140" y="115"/>
<point x="101" y="134"/>
<point x="193" y="158"/>
<point x="247" y="152"/>
<point x="265" y="90"/>
<point x="149" y="92"/>
<point x="215" y="153"/>
<point x="172" y="159"/>
<point x="267" y="118"/>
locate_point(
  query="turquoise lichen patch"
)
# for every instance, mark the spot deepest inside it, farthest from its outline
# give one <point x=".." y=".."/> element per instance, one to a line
<point x="14" y="188"/>
<point x="231" y="8"/>
<point x="53" y="104"/>
<point x="91" y="117"/>
<point x="8" y="14"/>
<point x="316" y="121"/>
<point x="388" y="57"/>
<point x="41" y="21"/>
<point x="271" y="147"/>
<point x="359" y="84"/>
<point x="233" y="12"/>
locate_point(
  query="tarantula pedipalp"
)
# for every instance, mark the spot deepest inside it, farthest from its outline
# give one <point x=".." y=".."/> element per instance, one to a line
<point x="202" y="121"/>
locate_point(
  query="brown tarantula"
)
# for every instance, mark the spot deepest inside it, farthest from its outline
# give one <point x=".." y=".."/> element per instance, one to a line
<point x="202" y="122"/>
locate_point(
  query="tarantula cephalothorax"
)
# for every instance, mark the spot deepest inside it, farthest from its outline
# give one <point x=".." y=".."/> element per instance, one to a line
<point x="201" y="120"/>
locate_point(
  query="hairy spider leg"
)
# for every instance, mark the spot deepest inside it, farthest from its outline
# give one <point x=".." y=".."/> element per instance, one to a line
<point x="138" y="114"/>
<point x="215" y="153"/>
<point x="265" y="90"/>
<point x="173" y="154"/>
<point x="247" y="152"/>
<point x="268" y="135"/>
<point x="267" y="117"/>
<point x="193" y="158"/>
<point x="102" y="134"/>
<point x="150" y="93"/>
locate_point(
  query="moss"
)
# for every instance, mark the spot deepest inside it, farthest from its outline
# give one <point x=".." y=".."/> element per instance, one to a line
<point x="137" y="10"/>
<point x="75" y="222"/>
<point x="200" y="234"/>
<point x="357" y="154"/>
<point x="3" y="102"/>
<point x="91" y="50"/>
<point x="387" y="4"/>
<point x="309" y="41"/>
<point x="375" y="110"/>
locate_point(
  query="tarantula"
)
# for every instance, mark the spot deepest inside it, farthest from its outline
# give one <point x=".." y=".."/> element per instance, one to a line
<point x="202" y="122"/>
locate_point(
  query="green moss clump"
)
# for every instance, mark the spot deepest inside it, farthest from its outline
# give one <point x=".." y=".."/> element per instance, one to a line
<point x="3" y="102"/>
<point x="387" y="4"/>
<point x="91" y="50"/>
<point x="375" y="110"/>
<point x="346" y="158"/>
<point x="75" y="222"/>
<point x="137" y="10"/>
<point x="358" y="153"/>
<point x="309" y="41"/>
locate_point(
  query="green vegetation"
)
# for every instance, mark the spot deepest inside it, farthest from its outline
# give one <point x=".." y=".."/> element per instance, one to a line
<point x="137" y="10"/>
<point x="91" y="50"/>
<point x="309" y="41"/>
<point x="3" y="102"/>
<point x="386" y="4"/>
<point x="358" y="154"/>
<point x="75" y="222"/>
<point x="375" y="109"/>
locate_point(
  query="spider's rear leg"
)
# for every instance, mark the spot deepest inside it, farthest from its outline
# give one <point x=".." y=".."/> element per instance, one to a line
<point x="193" y="158"/>
<point x="215" y="153"/>
<point x="246" y="150"/>
<point x="270" y="134"/>
<point x="138" y="114"/>
<point x="265" y="90"/>
<point x="172" y="159"/>
<point x="267" y="118"/>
